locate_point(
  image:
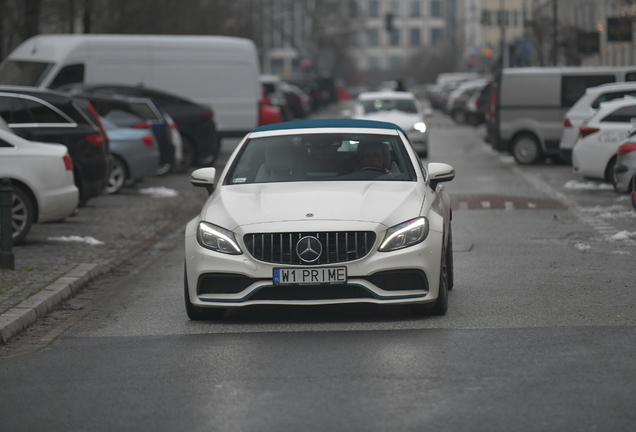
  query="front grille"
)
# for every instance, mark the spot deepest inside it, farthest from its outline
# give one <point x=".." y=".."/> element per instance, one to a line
<point x="219" y="283"/>
<point x="337" y="247"/>
<point x="295" y="292"/>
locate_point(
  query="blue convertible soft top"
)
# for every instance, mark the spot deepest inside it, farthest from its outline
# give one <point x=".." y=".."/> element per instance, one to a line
<point x="328" y="123"/>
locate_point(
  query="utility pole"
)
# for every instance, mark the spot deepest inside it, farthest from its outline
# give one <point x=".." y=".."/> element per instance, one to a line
<point x="502" y="28"/>
<point x="555" y="22"/>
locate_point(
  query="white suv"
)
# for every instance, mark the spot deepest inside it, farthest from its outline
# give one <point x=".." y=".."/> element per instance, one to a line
<point x="585" y="108"/>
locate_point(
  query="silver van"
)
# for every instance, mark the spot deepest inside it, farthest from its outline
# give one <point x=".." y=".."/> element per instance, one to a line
<point x="528" y="106"/>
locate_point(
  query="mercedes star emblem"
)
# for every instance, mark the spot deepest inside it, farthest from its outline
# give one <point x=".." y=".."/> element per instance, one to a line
<point x="309" y="249"/>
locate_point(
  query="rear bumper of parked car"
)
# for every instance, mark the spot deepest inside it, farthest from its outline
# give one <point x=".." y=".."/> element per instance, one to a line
<point x="58" y="203"/>
<point x="209" y="271"/>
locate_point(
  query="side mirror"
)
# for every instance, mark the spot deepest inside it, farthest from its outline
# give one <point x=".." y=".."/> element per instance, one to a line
<point x="346" y="113"/>
<point x="204" y="177"/>
<point x="439" y="172"/>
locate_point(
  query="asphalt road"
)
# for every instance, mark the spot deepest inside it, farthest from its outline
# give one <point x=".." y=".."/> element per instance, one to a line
<point x="539" y="334"/>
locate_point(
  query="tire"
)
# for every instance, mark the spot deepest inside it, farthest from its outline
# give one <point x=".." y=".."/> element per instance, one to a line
<point x="163" y="169"/>
<point x="197" y="313"/>
<point x="449" y="258"/>
<point x="441" y="304"/>
<point x="188" y="155"/>
<point x="526" y="149"/>
<point x="459" y="116"/>
<point x="22" y="214"/>
<point x="118" y="175"/>
<point x="610" y="177"/>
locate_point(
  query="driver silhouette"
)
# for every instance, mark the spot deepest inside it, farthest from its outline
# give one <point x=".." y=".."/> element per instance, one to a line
<point x="374" y="155"/>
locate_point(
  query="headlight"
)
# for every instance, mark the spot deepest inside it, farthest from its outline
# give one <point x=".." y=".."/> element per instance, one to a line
<point x="405" y="234"/>
<point x="217" y="239"/>
<point x="420" y="126"/>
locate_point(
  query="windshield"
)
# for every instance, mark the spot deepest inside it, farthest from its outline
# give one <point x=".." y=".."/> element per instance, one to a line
<point x="375" y="105"/>
<point x="23" y="73"/>
<point x="321" y="157"/>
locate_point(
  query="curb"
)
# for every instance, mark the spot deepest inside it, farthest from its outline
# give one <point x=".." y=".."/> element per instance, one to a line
<point x="27" y="312"/>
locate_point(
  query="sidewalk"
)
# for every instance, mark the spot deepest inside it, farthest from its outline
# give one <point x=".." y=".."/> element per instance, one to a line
<point x="50" y="269"/>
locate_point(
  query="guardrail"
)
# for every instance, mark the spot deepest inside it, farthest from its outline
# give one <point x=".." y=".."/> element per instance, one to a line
<point x="7" y="261"/>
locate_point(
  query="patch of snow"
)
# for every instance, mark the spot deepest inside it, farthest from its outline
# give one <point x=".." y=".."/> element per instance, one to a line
<point x="582" y="247"/>
<point x="507" y="159"/>
<point x="623" y="198"/>
<point x="574" y="184"/>
<point x="88" y="240"/>
<point x="623" y="235"/>
<point x="599" y="209"/>
<point x="159" y="192"/>
<point x="618" y="252"/>
<point x="621" y="214"/>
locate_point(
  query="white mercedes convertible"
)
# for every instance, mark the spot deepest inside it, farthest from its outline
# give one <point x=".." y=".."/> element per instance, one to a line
<point x="321" y="212"/>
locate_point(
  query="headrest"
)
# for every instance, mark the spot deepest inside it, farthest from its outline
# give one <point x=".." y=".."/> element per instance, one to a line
<point x="280" y="156"/>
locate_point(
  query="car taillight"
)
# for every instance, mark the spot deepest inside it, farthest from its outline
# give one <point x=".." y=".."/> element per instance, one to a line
<point x="586" y="130"/>
<point x="208" y="114"/>
<point x="68" y="163"/>
<point x="627" y="147"/>
<point x="95" y="139"/>
<point x="143" y="125"/>
<point x="104" y="136"/>
<point x="148" y="141"/>
<point x="566" y="122"/>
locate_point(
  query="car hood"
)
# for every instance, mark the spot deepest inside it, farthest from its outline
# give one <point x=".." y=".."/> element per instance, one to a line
<point x="400" y="118"/>
<point x="387" y="203"/>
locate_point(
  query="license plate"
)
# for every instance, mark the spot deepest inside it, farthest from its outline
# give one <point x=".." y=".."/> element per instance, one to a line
<point x="310" y="276"/>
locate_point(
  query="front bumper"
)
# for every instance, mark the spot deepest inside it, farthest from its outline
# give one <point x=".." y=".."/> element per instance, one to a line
<point x="405" y="276"/>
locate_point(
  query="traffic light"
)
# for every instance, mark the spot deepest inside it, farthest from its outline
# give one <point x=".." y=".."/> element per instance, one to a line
<point x="388" y="21"/>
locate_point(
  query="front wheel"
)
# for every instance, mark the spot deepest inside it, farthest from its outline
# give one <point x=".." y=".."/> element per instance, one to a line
<point x="196" y="313"/>
<point x="526" y="149"/>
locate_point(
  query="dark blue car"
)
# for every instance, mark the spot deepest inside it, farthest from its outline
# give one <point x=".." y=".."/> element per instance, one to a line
<point x="136" y="112"/>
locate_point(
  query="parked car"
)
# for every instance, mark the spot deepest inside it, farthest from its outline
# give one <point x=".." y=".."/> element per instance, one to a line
<point x="625" y="167"/>
<point x="346" y="213"/>
<point x="298" y="101"/>
<point x="134" y="155"/>
<point x="594" y="154"/>
<point x="477" y="106"/>
<point x="49" y="116"/>
<point x="140" y="113"/>
<point x="400" y="108"/>
<point x="456" y="105"/>
<point x="529" y="105"/>
<point x="195" y="122"/>
<point x="585" y="107"/>
<point x="274" y="94"/>
<point x="42" y="180"/>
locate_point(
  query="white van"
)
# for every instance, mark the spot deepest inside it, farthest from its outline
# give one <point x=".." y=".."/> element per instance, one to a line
<point x="528" y="105"/>
<point x="221" y="72"/>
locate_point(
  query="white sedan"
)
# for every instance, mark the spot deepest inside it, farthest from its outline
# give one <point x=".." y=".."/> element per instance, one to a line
<point x="321" y="212"/>
<point x="594" y="153"/>
<point x="42" y="182"/>
<point x="401" y="108"/>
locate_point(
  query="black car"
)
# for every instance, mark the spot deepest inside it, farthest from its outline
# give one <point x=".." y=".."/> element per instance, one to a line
<point x="50" y="116"/>
<point x="201" y="142"/>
